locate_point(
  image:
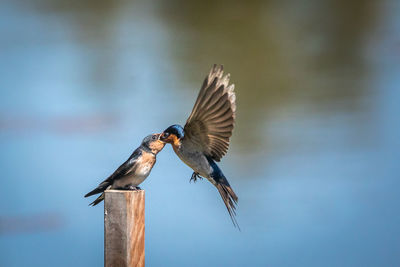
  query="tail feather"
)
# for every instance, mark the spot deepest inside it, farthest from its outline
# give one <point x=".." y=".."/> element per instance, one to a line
<point x="100" y="189"/>
<point x="225" y="190"/>
<point x="230" y="199"/>
<point x="97" y="200"/>
<point x="94" y="192"/>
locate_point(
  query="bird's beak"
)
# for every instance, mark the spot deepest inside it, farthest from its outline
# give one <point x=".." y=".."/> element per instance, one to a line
<point x="161" y="137"/>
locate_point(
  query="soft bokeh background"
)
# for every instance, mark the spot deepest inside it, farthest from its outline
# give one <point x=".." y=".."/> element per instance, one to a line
<point x="314" y="157"/>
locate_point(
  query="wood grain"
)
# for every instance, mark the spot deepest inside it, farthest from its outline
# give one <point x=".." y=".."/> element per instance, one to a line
<point x="124" y="228"/>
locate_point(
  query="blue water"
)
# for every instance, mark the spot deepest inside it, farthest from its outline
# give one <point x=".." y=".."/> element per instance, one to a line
<point x="314" y="157"/>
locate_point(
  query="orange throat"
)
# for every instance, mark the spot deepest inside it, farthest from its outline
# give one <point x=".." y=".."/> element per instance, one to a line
<point x="176" y="143"/>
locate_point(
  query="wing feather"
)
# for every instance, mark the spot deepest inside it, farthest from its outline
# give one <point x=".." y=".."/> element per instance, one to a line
<point x="212" y="120"/>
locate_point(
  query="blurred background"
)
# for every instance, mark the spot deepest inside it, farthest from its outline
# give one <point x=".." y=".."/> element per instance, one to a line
<point x="314" y="157"/>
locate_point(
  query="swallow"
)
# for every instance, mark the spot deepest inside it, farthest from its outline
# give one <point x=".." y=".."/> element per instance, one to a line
<point x="133" y="171"/>
<point x="204" y="139"/>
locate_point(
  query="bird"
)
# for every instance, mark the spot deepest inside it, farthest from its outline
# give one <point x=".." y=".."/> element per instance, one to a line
<point x="204" y="139"/>
<point x="133" y="171"/>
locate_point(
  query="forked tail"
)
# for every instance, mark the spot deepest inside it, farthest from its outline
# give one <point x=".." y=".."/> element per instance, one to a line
<point x="100" y="189"/>
<point x="230" y="199"/>
<point x="225" y="190"/>
<point x="97" y="200"/>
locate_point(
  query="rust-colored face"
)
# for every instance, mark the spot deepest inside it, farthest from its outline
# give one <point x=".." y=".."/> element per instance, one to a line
<point x="169" y="138"/>
<point x="155" y="143"/>
<point x="173" y="135"/>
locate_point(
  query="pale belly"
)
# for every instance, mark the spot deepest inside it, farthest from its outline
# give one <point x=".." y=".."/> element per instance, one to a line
<point x="195" y="160"/>
<point x="136" y="178"/>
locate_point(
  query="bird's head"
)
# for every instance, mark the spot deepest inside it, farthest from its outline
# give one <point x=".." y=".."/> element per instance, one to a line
<point x="153" y="143"/>
<point x="173" y="134"/>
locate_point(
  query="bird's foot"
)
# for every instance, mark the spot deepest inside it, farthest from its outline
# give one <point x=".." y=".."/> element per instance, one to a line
<point x="130" y="187"/>
<point x="194" y="177"/>
<point x="134" y="188"/>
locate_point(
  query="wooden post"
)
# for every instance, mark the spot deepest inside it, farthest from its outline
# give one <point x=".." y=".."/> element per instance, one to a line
<point x="124" y="228"/>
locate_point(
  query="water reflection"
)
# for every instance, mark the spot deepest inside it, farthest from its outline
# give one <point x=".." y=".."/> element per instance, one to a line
<point x="313" y="156"/>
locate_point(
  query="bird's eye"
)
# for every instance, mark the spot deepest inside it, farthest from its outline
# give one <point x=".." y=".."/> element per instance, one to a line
<point x="153" y="137"/>
<point x="166" y="134"/>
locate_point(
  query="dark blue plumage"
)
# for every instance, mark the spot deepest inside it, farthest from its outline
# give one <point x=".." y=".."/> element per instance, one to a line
<point x="205" y="137"/>
<point x="175" y="129"/>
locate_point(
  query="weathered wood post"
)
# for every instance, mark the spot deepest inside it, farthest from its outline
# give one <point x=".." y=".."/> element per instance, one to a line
<point x="124" y="228"/>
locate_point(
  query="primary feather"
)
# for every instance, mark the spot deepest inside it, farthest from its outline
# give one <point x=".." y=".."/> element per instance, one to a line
<point x="212" y="119"/>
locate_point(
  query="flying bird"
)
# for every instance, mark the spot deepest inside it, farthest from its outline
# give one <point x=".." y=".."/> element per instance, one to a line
<point x="204" y="139"/>
<point x="133" y="171"/>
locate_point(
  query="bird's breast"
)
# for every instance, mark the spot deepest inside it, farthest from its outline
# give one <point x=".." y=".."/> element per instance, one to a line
<point x="145" y="164"/>
<point x="194" y="159"/>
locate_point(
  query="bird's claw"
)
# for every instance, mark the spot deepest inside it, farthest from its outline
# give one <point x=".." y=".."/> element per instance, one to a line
<point x="131" y="187"/>
<point x="194" y="177"/>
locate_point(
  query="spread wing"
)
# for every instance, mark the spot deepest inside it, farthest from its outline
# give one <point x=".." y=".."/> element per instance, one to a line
<point x="211" y="122"/>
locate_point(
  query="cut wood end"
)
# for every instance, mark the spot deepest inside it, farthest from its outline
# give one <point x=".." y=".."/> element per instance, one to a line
<point x="124" y="191"/>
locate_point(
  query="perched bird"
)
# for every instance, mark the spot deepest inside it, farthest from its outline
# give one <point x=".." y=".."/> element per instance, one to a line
<point x="133" y="171"/>
<point x="205" y="137"/>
